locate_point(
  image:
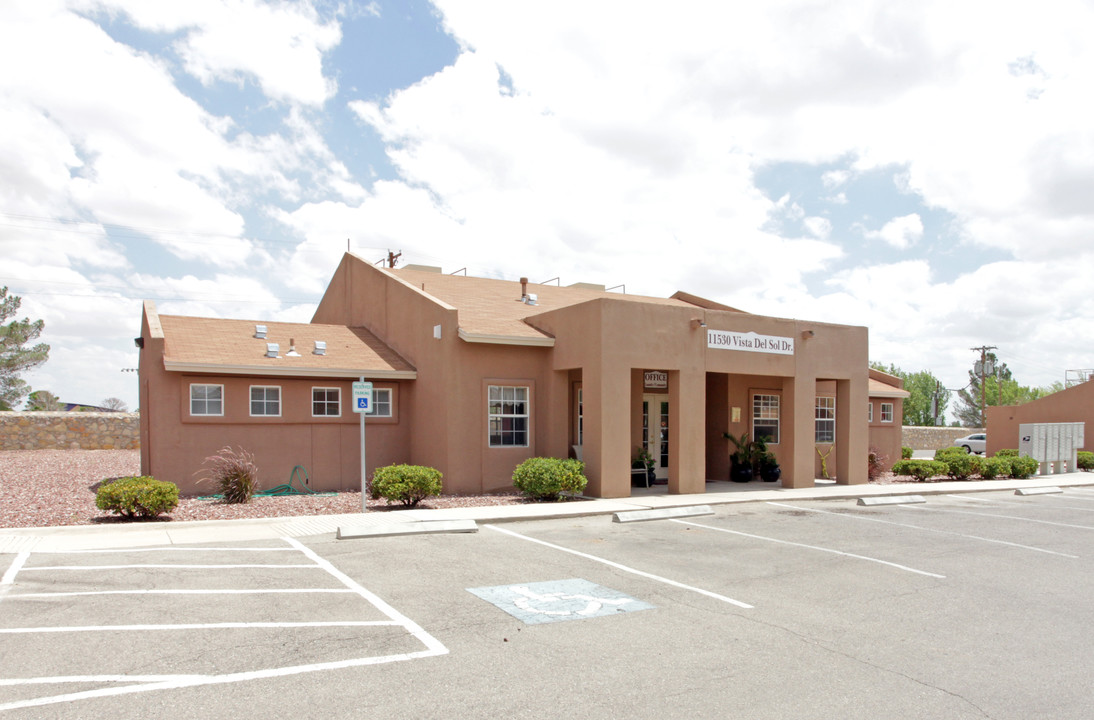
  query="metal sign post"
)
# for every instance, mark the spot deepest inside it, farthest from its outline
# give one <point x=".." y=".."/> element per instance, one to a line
<point x="362" y="404"/>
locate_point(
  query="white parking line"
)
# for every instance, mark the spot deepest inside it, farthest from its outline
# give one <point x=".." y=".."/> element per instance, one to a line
<point x="814" y="547"/>
<point x="1032" y="506"/>
<point x="192" y="626"/>
<point x="14" y="568"/>
<point x="1005" y="517"/>
<point x="926" y="529"/>
<point x="264" y="591"/>
<point x="150" y="683"/>
<point x="624" y="568"/>
<point x="168" y="566"/>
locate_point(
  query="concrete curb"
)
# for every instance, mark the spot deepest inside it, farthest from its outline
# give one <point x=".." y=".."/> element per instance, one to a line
<point x="86" y="537"/>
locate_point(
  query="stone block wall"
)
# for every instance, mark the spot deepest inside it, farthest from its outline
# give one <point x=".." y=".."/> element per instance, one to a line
<point x="69" y="431"/>
<point x="933" y="438"/>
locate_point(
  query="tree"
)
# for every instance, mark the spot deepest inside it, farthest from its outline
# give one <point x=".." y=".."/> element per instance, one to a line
<point x="14" y="357"/>
<point x="43" y="401"/>
<point x="1000" y="388"/>
<point x="115" y="404"/>
<point x="919" y="408"/>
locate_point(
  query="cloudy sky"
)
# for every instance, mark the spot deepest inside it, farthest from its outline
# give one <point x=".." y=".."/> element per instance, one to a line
<point x="922" y="168"/>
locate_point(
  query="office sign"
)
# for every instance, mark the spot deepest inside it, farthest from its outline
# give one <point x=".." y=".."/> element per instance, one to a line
<point x="750" y="342"/>
<point x="656" y="379"/>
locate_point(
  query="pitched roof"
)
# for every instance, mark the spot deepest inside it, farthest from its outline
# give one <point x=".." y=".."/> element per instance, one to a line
<point x="229" y="346"/>
<point x="885" y="390"/>
<point x="490" y="310"/>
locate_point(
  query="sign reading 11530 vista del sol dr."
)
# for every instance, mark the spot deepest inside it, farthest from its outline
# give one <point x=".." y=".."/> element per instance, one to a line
<point x="750" y="342"/>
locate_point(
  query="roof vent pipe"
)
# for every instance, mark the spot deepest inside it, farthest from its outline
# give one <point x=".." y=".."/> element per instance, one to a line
<point x="523" y="289"/>
<point x="292" y="349"/>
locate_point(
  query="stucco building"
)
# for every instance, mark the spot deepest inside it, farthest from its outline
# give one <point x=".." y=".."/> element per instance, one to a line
<point x="1075" y="404"/>
<point x="475" y="375"/>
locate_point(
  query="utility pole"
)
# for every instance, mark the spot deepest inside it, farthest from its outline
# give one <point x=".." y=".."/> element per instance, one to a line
<point x="392" y="258"/>
<point x="983" y="367"/>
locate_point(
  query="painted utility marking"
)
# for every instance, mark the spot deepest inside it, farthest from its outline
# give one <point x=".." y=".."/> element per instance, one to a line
<point x="814" y="547"/>
<point x="559" y="600"/>
<point x="926" y="529"/>
<point x="993" y="515"/>
<point x="624" y="568"/>
<point x="130" y="684"/>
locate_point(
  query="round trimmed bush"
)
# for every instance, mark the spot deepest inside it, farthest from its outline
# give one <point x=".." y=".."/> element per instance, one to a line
<point x="1006" y="452"/>
<point x="994" y="467"/>
<point x="544" y="478"/>
<point x="905" y="453"/>
<point x="1085" y="461"/>
<point x="408" y="484"/>
<point x="921" y="470"/>
<point x="141" y="496"/>
<point x="1023" y="467"/>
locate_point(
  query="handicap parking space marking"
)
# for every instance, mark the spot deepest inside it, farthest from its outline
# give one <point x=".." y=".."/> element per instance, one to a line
<point x="129" y="684"/>
<point x="558" y="600"/>
<point x="812" y="547"/>
<point x="859" y="516"/>
<point x="624" y="568"/>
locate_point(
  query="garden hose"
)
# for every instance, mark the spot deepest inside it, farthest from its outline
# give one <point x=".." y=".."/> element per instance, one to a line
<point x="289" y="488"/>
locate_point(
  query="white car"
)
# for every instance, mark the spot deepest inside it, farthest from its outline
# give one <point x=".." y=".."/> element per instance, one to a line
<point x="974" y="443"/>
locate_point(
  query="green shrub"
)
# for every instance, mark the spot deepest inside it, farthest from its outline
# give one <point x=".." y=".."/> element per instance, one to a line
<point x="920" y="469"/>
<point x="234" y="474"/>
<point x="994" y="467"/>
<point x="943" y="453"/>
<point x="1085" y="460"/>
<point x="1006" y="452"/>
<point x="905" y="453"/>
<point x="544" y="478"/>
<point x="961" y="466"/>
<point x="141" y="496"/>
<point x="1023" y="467"/>
<point x="408" y="484"/>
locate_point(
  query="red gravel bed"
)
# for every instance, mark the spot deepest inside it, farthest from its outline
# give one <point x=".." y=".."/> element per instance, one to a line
<point x="42" y="488"/>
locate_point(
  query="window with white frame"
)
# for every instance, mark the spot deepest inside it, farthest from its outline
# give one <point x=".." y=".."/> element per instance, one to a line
<point x="507" y="416"/>
<point x="326" y="402"/>
<point x="381" y="402"/>
<point x="826" y="420"/>
<point x="206" y="399"/>
<point x="886" y="412"/>
<point x="765" y="418"/>
<point x="265" y="401"/>
<point x="870" y="412"/>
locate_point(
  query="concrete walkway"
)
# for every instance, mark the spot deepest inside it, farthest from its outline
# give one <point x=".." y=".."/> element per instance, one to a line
<point x="97" y="537"/>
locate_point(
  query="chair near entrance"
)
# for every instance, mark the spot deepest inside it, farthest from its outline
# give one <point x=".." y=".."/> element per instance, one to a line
<point x="751" y="459"/>
<point x="642" y="468"/>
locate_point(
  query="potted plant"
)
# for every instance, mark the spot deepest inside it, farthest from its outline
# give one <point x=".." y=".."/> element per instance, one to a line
<point x="764" y="463"/>
<point x="740" y="460"/>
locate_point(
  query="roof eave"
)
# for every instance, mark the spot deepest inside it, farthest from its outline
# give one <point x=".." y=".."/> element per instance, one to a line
<point x="271" y="370"/>
<point x="506" y="339"/>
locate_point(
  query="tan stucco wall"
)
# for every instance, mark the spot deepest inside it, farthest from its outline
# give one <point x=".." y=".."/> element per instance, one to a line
<point x="69" y="431"/>
<point x="1075" y="404"/>
<point x="933" y="438"/>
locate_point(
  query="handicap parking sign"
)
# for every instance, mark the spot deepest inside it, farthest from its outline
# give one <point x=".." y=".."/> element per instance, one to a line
<point x="362" y="397"/>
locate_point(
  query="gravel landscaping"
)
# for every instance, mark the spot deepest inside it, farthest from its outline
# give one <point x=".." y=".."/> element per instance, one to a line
<point x="41" y="488"/>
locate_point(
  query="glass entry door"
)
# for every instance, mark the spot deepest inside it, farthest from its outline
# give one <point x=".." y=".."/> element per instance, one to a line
<point x="655" y="432"/>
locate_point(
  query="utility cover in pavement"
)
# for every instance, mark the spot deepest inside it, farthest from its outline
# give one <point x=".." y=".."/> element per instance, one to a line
<point x="558" y="600"/>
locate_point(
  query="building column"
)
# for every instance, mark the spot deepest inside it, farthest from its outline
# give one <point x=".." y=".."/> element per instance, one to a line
<point x="687" y="431"/>
<point x="852" y="432"/>
<point x="797" y="429"/>
<point x="607" y="455"/>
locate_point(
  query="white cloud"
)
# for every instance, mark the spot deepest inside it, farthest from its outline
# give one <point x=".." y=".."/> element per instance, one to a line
<point x="900" y="232"/>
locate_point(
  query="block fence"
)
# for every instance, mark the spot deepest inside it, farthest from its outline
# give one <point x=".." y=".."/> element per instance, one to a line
<point x="933" y="438"/>
<point x="69" y="431"/>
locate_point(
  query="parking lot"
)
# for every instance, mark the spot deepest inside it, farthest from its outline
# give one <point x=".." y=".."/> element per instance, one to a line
<point x="972" y="605"/>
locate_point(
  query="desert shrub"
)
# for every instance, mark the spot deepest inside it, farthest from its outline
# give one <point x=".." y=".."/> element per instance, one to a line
<point x="234" y="474"/>
<point x="875" y="464"/>
<point x="943" y="453"/>
<point x="1023" y="467"/>
<point x="546" y="478"/>
<point x="140" y="496"/>
<point x="1085" y="461"/>
<point x="1006" y="452"/>
<point x="961" y="466"/>
<point x="994" y="467"/>
<point x="408" y="484"/>
<point x="920" y="469"/>
<point x="905" y="453"/>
